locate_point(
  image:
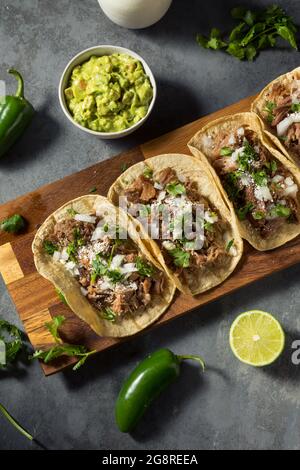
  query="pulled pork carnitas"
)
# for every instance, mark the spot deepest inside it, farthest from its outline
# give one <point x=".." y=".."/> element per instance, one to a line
<point x="113" y="274"/>
<point x="162" y="201"/>
<point x="282" y="112"/>
<point x="261" y="189"/>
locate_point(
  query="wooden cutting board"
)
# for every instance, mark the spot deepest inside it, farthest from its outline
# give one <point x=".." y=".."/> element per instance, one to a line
<point x="35" y="298"/>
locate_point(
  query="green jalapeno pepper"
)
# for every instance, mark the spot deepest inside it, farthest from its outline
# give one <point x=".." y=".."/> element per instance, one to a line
<point x="15" y="115"/>
<point x="148" y="380"/>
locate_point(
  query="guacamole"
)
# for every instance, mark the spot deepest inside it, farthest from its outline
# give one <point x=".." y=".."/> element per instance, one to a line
<point x="109" y="93"/>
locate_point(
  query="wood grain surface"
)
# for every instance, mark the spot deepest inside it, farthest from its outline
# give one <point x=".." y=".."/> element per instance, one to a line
<point x="35" y="298"/>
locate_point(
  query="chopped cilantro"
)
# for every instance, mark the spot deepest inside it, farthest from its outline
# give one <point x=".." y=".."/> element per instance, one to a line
<point x="109" y="315"/>
<point x="229" y="245"/>
<point x="243" y="211"/>
<point x="181" y="257"/>
<point x="226" y="152"/>
<point x="144" y="268"/>
<point x="269" y="109"/>
<point x="49" y="247"/>
<point x="175" y="189"/>
<point x="148" y="172"/>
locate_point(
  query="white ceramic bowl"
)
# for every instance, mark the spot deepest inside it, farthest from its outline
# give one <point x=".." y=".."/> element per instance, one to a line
<point x="83" y="57"/>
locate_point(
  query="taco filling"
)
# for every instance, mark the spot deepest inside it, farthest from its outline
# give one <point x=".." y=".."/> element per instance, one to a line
<point x="189" y="232"/>
<point x="113" y="274"/>
<point x="282" y="112"/>
<point x="261" y="189"/>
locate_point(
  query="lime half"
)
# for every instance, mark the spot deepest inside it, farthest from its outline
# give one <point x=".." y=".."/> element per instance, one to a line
<point x="256" y="338"/>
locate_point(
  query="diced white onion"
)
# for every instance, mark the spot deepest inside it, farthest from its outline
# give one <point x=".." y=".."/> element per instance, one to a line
<point x="116" y="261"/>
<point x="161" y="196"/>
<point x="84" y="291"/>
<point x="56" y="255"/>
<point x="232" y="140"/>
<point x="233" y="251"/>
<point x="262" y="193"/>
<point x="234" y="157"/>
<point x="291" y="190"/>
<point x="158" y="186"/>
<point x="128" y="268"/>
<point x="98" y="234"/>
<point x="241" y="132"/>
<point x="289" y="181"/>
<point x="286" y="123"/>
<point x="85" y="218"/>
<point x="70" y="265"/>
<point x="277" y="179"/>
<point x="182" y="179"/>
<point x="64" y="254"/>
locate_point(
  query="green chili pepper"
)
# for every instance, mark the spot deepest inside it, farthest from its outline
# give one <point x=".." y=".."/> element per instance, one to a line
<point x="148" y="380"/>
<point x="15" y="115"/>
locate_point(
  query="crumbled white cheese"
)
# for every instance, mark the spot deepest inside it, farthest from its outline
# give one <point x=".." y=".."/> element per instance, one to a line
<point x="245" y="179"/>
<point x="262" y="193"/>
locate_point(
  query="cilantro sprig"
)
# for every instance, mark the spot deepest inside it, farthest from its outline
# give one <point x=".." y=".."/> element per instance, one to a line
<point x="60" y="348"/>
<point x="11" y="336"/>
<point x="256" y="30"/>
<point x="181" y="258"/>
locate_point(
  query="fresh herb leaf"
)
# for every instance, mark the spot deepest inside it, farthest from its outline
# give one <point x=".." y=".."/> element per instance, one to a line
<point x="208" y="226"/>
<point x="281" y="211"/>
<point x="269" y="109"/>
<point x="148" y="172"/>
<point x="61" y="349"/>
<point x="15" y="423"/>
<point x="260" y="178"/>
<point x="295" y="108"/>
<point x="13" y="224"/>
<point x="229" y="245"/>
<point x="144" y="268"/>
<point x="93" y="190"/>
<point x="115" y="275"/>
<point x="243" y="211"/>
<point x="99" y="269"/>
<point x="54" y="325"/>
<point x="49" y="247"/>
<point x="124" y="167"/>
<point x="109" y="315"/>
<point x="61" y="296"/>
<point x="256" y="30"/>
<point x="72" y="212"/>
<point x="226" y="152"/>
<point x="258" y="215"/>
<point x="72" y="251"/>
<point x="181" y="257"/>
<point x="12" y="339"/>
<point x="175" y="189"/>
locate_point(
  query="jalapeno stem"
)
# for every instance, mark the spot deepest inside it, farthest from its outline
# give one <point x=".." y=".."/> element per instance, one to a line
<point x="18" y="76"/>
<point x="15" y="423"/>
<point x="193" y="358"/>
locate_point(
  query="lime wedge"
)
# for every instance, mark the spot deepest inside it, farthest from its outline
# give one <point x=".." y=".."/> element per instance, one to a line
<point x="256" y="338"/>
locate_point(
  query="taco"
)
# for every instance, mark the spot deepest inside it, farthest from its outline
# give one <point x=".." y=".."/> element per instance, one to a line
<point x="195" y="238"/>
<point x="256" y="179"/>
<point x="278" y="105"/>
<point x="108" y="279"/>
